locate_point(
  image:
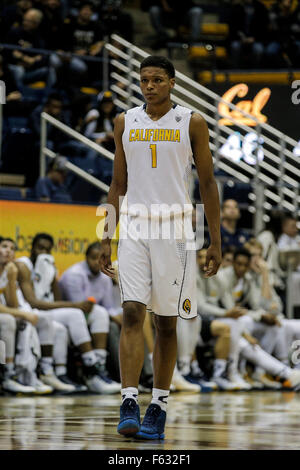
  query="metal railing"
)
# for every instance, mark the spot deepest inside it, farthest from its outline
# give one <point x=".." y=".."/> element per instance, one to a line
<point x="44" y="151"/>
<point x="277" y="173"/>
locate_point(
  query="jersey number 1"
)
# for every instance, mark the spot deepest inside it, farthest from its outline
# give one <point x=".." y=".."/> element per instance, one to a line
<point x="154" y="155"/>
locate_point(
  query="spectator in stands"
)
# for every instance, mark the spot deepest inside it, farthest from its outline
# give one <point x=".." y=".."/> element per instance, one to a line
<point x="284" y="48"/>
<point x="248" y="26"/>
<point x="54" y="107"/>
<point x="52" y="187"/>
<point x="52" y="23"/>
<point x="99" y="127"/>
<point x="100" y="121"/>
<point x="175" y="13"/>
<point x="80" y="106"/>
<point x="290" y="237"/>
<point x="12" y="15"/>
<point x="11" y="88"/>
<point x="81" y="36"/>
<point x="230" y="233"/>
<point x="116" y="20"/>
<point x="29" y="67"/>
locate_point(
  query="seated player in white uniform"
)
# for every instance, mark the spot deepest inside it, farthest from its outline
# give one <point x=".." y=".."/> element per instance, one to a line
<point x="43" y="338"/>
<point x="155" y="147"/>
<point x="37" y="280"/>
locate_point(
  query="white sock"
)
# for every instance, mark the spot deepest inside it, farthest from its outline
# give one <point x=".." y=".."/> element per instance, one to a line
<point x="160" y="398"/>
<point x="61" y="370"/>
<point x="129" y="392"/>
<point x="219" y="367"/>
<point x="101" y="355"/>
<point x="46" y="365"/>
<point x="89" y="358"/>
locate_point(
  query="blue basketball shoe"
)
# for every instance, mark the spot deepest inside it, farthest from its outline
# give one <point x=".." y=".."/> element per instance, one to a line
<point x="130" y="421"/>
<point x="153" y="425"/>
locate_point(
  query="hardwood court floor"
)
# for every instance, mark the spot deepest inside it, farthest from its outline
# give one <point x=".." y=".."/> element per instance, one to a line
<point x="253" y="420"/>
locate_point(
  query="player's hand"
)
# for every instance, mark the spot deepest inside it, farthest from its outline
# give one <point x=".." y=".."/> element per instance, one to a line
<point x="106" y="266"/>
<point x="86" y="306"/>
<point x="213" y="260"/>
<point x="11" y="271"/>
<point x="253" y="341"/>
<point x="235" y="312"/>
<point x="30" y="317"/>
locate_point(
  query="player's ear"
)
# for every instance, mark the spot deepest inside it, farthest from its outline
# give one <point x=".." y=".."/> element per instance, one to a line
<point x="172" y="82"/>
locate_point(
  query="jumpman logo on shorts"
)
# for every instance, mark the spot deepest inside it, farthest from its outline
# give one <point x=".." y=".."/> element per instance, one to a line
<point x="175" y="283"/>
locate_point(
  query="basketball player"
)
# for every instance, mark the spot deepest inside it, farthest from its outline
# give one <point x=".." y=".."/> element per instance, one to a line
<point x="37" y="279"/>
<point x="155" y="147"/>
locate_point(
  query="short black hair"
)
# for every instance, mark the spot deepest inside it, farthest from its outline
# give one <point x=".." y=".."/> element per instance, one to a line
<point x="92" y="246"/>
<point x="54" y="96"/>
<point x="228" y="249"/>
<point x="241" y="252"/>
<point x="44" y="236"/>
<point x="159" y="61"/>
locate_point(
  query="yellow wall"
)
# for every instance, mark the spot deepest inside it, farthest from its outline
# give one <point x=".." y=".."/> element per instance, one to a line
<point x="73" y="228"/>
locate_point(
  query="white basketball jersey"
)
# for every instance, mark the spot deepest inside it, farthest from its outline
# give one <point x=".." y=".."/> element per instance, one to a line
<point x="3" y="284"/>
<point x="159" y="158"/>
<point x="42" y="275"/>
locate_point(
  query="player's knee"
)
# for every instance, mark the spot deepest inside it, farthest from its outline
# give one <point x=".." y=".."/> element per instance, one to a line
<point x="9" y="323"/>
<point x="77" y="316"/>
<point x="133" y="315"/>
<point x="165" y="326"/>
<point x="225" y="331"/>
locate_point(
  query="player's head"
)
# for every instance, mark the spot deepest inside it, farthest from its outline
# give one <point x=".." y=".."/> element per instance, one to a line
<point x="230" y="210"/>
<point x="93" y="256"/>
<point x="7" y="250"/>
<point x="227" y="256"/>
<point x="241" y="262"/>
<point x="289" y="226"/>
<point x="157" y="78"/>
<point x="255" y="249"/>
<point x="42" y="243"/>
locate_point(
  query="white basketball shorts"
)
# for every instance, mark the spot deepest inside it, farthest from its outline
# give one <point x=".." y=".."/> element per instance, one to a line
<point x="159" y="273"/>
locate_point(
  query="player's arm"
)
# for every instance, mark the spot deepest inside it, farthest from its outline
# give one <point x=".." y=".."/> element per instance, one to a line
<point x="117" y="188"/>
<point x="15" y="312"/>
<point x="24" y="279"/>
<point x="56" y="290"/>
<point x="208" y="190"/>
<point x="10" y="292"/>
